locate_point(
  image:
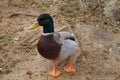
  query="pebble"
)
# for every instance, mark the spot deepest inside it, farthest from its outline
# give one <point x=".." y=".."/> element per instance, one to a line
<point x="16" y="38"/>
<point x="29" y="72"/>
<point x="1" y="69"/>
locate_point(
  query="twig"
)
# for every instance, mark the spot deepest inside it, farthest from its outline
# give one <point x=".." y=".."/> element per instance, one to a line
<point x="19" y="13"/>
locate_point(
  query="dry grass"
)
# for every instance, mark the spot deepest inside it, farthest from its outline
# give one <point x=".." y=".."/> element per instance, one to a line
<point x="7" y="65"/>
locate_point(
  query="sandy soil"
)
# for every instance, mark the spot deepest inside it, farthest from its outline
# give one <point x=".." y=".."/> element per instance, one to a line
<point x="19" y="59"/>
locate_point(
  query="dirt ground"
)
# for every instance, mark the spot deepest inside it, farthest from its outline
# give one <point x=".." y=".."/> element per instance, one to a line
<point x="19" y="59"/>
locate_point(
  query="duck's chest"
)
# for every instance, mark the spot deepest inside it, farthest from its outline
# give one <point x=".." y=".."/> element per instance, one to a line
<point x="48" y="47"/>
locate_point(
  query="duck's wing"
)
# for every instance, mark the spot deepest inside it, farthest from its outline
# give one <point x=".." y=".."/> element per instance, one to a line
<point x="59" y="36"/>
<point x="67" y="40"/>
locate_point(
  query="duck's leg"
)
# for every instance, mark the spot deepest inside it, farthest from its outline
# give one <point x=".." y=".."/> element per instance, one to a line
<point x="54" y="71"/>
<point x="69" y="67"/>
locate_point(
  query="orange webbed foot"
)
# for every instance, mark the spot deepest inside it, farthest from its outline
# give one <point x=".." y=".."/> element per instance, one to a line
<point x="54" y="71"/>
<point x="69" y="67"/>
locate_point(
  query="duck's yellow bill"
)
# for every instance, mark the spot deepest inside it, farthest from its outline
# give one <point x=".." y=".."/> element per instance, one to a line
<point x="35" y="25"/>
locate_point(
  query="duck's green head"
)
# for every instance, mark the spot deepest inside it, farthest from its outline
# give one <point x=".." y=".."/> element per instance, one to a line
<point x="46" y="21"/>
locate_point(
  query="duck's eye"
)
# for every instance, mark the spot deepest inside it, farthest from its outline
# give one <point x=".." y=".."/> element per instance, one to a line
<point x="43" y="19"/>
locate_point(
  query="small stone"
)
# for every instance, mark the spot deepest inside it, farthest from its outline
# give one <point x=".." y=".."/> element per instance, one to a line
<point x="110" y="50"/>
<point x="1" y="69"/>
<point x="51" y="6"/>
<point x="16" y="38"/>
<point x="29" y="72"/>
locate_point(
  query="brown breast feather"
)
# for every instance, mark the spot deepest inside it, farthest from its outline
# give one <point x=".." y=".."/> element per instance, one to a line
<point x="48" y="47"/>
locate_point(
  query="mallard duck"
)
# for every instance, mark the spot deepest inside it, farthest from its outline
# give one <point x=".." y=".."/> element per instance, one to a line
<point x="54" y="45"/>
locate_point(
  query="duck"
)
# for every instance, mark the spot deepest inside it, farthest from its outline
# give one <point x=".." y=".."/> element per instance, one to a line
<point x="55" y="45"/>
